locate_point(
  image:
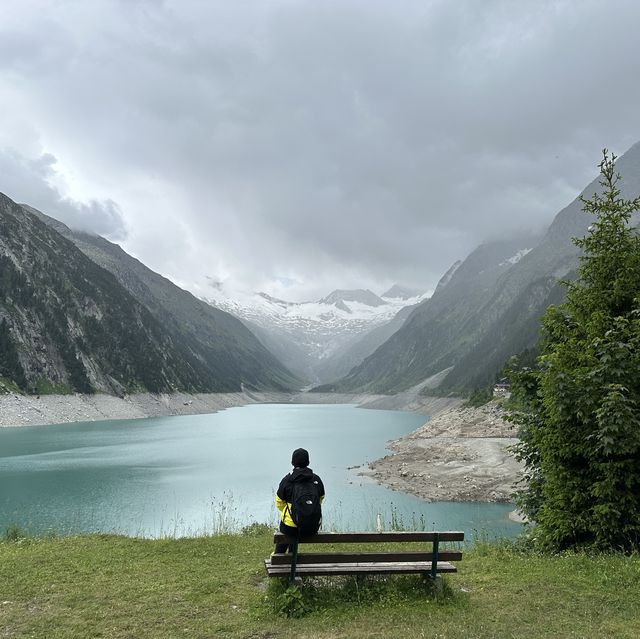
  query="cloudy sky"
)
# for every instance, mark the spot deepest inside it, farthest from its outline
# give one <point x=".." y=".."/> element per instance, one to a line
<point x="297" y="146"/>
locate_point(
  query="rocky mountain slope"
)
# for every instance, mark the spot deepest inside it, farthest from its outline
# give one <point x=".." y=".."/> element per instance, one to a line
<point x="422" y="345"/>
<point x="487" y="309"/>
<point x="319" y="340"/>
<point x="402" y="292"/>
<point x="109" y="323"/>
<point x="355" y="352"/>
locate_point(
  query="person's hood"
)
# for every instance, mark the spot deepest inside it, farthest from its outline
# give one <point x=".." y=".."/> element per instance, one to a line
<point x="301" y="474"/>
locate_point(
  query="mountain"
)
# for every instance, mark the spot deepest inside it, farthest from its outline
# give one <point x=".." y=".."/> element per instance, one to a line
<point x="355" y="352"/>
<point x="424" y="344"/>
<point x="402" y="292"/>
<point x="486" y="308"/>
<point x="525" y="292"/>
<point x="83" y="315"/>
<point x="446" y="278"/>
<point x="342" y="298"/>
<point x="318" y="340"/>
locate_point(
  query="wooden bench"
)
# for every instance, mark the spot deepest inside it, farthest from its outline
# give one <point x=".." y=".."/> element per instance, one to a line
<point x="428" y="561"/>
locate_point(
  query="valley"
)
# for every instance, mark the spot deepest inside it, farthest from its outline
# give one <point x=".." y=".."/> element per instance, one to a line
<point x="101" y="321"/>
<point x="322" y="340"/>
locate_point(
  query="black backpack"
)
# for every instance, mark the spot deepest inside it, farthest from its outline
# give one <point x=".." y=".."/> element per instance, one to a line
<point x="306" y="511"/>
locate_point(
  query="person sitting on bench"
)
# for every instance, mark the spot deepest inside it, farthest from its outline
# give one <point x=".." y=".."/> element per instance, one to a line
<point x="298" y="499"/>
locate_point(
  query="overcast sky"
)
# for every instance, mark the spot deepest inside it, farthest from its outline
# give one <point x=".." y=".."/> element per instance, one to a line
<point x="298" y="146"/>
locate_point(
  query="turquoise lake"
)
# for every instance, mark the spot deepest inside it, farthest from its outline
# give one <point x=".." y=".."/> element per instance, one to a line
<point x="197" y="474"/>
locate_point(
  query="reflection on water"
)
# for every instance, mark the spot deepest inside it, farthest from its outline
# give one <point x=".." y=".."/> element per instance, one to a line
<point x="198" y="474"/>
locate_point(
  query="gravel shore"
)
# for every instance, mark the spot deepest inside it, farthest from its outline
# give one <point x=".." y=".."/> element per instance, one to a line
<point x="32" y="410"/>
<point x="459" y="455"/>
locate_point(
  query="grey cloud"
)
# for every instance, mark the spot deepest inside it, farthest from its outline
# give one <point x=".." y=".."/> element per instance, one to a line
<point x="342" y="139"/>
<point x="26" y="181"/>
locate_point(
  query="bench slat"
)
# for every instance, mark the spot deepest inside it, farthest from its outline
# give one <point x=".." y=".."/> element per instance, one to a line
<point x="383" y="568"/>
<point x="359" y="557"/>
<point x="371" y="537"/>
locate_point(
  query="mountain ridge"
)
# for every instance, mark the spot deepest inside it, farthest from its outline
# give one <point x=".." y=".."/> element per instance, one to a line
<point x="214" y="351"/>
<point x="481" y="316"/>
<point x="314" y="339"/>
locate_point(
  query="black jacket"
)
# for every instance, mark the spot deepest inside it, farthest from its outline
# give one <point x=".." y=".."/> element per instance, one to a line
<point x="285" y="491"/>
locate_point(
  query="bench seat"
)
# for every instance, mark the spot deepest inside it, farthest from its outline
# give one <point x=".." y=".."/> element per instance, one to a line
<point x="359" y="568"/>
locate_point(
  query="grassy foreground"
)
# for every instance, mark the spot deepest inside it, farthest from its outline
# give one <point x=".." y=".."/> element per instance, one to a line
<point x="107" y="586"/>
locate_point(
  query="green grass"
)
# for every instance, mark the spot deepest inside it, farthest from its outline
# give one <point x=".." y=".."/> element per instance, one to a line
<point x="116" y="587"/>
<point x="42" y="386"/>
<point x="479" y="397"/>
<point x="8" y="386"/>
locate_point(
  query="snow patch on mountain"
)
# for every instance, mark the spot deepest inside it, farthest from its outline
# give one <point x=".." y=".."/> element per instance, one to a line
<point x="344" y="316"/>
<point x="514" y="259"/>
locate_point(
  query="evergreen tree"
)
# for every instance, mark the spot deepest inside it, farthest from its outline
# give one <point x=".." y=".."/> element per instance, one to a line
<point x="580" y="407"/>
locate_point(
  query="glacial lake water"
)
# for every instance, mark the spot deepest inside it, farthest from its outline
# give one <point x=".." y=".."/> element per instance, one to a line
<point x="197" y="474"/>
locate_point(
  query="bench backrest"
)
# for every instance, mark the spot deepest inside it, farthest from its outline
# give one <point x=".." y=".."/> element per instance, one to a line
<point x="372" y="537"/>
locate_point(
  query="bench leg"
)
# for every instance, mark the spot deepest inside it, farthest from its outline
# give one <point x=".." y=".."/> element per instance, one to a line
<point x="294" y="561"/>
<point x="433" y="576"/>
<point x="436" y="584"/>
<point x="435" y="557"/>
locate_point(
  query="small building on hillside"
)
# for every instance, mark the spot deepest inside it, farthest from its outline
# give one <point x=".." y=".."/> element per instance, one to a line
<point x="502" y="388"/>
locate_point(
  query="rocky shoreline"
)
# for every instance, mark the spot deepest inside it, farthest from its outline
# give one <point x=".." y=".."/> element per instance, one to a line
<point x="459" y="455"/>
<point x="33" y="410"/>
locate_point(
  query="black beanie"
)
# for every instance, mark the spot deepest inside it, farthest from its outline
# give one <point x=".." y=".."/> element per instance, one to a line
<point x="300" y="458"/>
